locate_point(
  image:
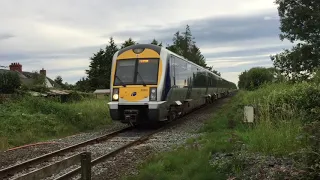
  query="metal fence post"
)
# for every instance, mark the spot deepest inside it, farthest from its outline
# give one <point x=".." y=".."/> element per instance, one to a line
<point x="86" y="166"/>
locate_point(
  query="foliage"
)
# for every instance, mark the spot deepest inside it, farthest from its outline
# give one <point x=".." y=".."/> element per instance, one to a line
<point x="213" y="70"/>
<point x="68" y="86"/>
<point x="83" y="85"/>
<point x="31" y="119"/>
<point x="295" y="13"/>
<point x="299" y="63"/>
<point x="316" y="76"/>
<point x="38" y="88"/>
<point x="254" y="78"/>
<point x="185" y="46"/>
<point x="9" y="82"/>
<point x="299" y="22"/>
<point x="155" y="42"/>
<point x="38" y="79"/>
<point x="59" y="80"/>
<point x="100" y="67"/>
<point x="127" y="43"/>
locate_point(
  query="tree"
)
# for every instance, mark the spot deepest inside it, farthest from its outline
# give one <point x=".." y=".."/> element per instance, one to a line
<point x="189" y="49"/>
<point x="68" y="86"/>
<point x="83" y="85"/>
<point x="213" y="70"/>
<point x="155" y="42"/>
<point x="38" y="79"/>
<point x="297" y="64"/>
<point x="128" y="42"/>
<point x="176" y="46"/>
<point x="59" y="80"/>
<point x="299" y="21"/>
<point x="96" y="65"/>
<point x="196" y="56"/>
<point x="184" y="45"/>
<point x="100" y="67"/>
<point x="109" y="52"/>
<point x="254" y="78"/>
<point x="9" y="82"/>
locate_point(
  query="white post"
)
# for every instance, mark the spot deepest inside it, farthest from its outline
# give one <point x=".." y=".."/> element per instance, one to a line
<point x="248" y="114"/>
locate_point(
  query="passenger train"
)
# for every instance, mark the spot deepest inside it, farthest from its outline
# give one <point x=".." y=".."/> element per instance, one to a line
<point x="150" y="84"/>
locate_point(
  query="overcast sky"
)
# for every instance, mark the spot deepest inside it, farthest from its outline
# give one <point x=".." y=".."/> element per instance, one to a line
<point x="62" y="35"/>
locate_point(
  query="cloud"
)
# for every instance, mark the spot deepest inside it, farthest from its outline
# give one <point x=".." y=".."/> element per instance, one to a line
<point x="62" y="35"/>
<point x="4" y="36"/>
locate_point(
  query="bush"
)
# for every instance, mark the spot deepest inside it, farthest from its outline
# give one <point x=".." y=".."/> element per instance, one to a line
<point x="38" y="88"/>
<point x="9" y="82"/>
<point x="254" y="78"/>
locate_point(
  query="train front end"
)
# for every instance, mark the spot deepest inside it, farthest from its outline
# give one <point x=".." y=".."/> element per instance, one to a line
<point x="136" y="81"/>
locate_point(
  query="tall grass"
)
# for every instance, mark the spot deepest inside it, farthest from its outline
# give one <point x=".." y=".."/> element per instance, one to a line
<point x="33" y="119"/>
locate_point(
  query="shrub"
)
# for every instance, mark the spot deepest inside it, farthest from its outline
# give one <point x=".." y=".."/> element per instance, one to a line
<point x="254" y="78"/>
<point x="9" y="82"/>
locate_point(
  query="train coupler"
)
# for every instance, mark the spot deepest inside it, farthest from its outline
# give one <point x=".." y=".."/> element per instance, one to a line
<point x="131" y="116"/>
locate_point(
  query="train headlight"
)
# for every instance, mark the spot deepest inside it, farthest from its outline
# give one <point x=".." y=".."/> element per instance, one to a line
<point x="138" y="51"/>
<point x="153" y="94"/>
<point x="115" y="97"/>
<point x="115" y="94"/>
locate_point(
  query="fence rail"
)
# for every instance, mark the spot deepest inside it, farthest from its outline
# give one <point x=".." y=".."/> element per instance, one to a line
<point x="83" y="159"/>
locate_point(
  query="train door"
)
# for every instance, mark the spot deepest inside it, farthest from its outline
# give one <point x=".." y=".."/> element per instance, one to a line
<point x="172" y="71"/>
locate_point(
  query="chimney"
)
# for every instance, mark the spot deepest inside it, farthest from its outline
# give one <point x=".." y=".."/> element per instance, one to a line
<point x="16" y="67"/>
<point x="43" y="72"/>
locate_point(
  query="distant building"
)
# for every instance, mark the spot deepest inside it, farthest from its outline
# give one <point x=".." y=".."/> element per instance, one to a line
<point x="101" y="93"/>
<point x="27" y="78"/>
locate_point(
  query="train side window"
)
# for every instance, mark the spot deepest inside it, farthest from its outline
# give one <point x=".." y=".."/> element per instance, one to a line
<point x="181" y="72"/>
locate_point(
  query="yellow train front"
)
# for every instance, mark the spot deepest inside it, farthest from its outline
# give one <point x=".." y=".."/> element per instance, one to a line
<point x="135" y="77"/>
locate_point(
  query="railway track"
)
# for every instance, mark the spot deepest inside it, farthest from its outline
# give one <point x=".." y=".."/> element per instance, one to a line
<point x="35" y="167"/>
<point x="46" y="158"/>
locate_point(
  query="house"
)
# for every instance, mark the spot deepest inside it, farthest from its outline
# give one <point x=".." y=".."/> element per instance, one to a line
<point x="27" y="78"/>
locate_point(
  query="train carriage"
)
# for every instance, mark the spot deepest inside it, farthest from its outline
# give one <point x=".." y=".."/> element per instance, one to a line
<point x="150" y="84"/>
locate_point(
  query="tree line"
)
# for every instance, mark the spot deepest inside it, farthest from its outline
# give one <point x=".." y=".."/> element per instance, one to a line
<point x="98" y="74"/>
<point x="299" y="23"/>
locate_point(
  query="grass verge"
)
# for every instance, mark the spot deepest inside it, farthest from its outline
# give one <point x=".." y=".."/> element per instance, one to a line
<point x="32" y="119"/>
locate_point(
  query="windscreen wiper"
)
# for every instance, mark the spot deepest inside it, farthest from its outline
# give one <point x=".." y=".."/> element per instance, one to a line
<point x="144" y="84"/>
<point x="123" y="84"/>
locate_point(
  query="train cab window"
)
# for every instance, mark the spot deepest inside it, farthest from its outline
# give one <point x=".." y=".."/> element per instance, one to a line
<point x="147" y="71"/>
<point x="136" y="72"/>
<point x="125" y="72"/>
